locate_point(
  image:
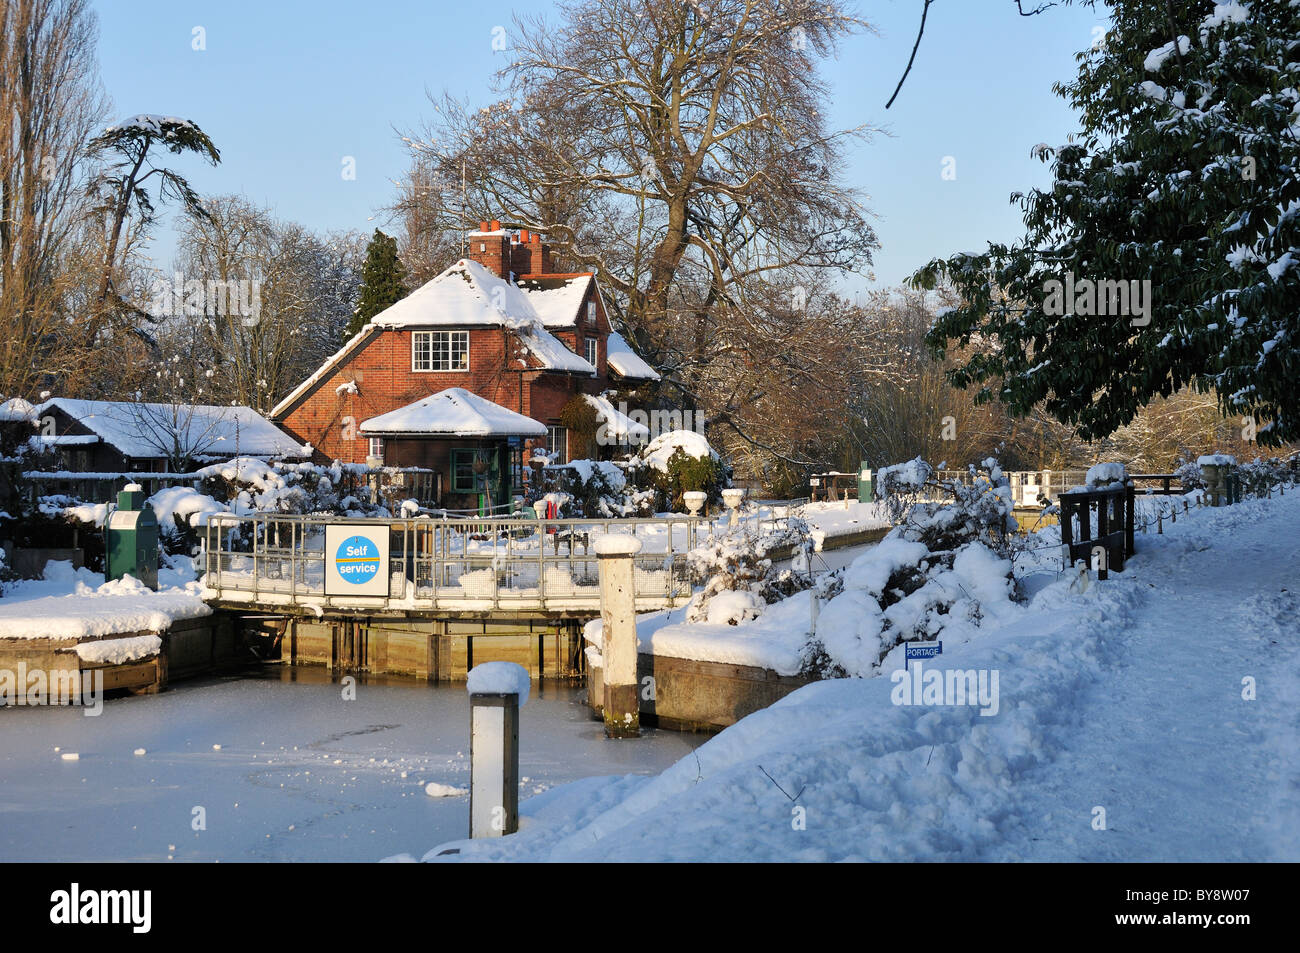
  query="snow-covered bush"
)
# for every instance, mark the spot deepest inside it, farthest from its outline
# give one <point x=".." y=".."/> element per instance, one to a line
<point x="940" y="572"/>
<point x="676" y="462"/>
<point x="248" y="485"/>
<point x="736" y="580"/>
<point x="980" y="510"/>
<point x="598" y="488"/>
<point x="1263" y="474"/>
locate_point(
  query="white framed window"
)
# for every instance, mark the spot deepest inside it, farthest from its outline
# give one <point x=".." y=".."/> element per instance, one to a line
<point x="591" y="312"/>
<point x="593" y="350"/>
<point x="377" y="447"/>
<point x="440" y="351"/>
<point x="557" y="442"/>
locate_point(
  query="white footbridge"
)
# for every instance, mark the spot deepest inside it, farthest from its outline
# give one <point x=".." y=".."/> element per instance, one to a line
<point x="422" y="566"/>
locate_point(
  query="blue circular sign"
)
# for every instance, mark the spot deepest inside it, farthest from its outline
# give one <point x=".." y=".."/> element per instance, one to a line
<point x="357" y="560"/>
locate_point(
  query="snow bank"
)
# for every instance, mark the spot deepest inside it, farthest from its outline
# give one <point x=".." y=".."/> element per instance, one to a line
<point x="499" y="678"/>
<point x="78" y="603"/>
<point x="117" y="651"/>
<point x="184" y="504"/>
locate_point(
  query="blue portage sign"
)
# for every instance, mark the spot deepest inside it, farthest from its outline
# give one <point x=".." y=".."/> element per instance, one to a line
<point x="919" y="650"/>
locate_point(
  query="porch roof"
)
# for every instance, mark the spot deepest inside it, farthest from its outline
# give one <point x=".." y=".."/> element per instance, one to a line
<point x="454" y="412"/>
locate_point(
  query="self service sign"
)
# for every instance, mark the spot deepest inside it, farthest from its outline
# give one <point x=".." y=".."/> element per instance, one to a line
<point x="356" y="560"/>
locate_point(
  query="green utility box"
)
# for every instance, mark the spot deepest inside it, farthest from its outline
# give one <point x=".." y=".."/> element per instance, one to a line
<point x="131" y="539"/>
<point x="866" y="492"/>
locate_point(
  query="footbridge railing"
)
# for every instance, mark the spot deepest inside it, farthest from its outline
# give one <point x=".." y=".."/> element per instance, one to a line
<point x="319" y="563"/>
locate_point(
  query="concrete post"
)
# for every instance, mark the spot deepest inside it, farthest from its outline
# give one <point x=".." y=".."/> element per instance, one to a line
<point x="497" y="690"/>
<point x="615" y="552"/>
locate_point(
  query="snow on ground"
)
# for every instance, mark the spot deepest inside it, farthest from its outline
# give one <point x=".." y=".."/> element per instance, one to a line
<point x="836" y="519"/>
<point x="77" y="603"/>
<point x="1131" y="697"/>
<point x="284" y="767"/>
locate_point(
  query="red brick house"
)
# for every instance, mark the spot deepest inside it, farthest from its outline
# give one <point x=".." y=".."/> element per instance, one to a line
<point x="499" y="324"/>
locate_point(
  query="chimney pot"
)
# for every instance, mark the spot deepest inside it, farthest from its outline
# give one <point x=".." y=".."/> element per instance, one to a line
<point x="483" y="226"/>
<point x="496" y="226"/>
<point x="523" y="235"/>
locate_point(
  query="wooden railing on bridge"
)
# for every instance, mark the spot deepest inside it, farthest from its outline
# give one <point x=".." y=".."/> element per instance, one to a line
<point x="1111" y="532"/>
<point x="280" y="562"/>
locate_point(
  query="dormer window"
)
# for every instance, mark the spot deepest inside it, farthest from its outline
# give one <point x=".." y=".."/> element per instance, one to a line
<point x="591" y="312"/>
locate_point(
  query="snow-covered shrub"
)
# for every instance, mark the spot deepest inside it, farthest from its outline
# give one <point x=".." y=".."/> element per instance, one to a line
<point x="939" y="573"/>
<point x="1263" y="474"/>
<point x="980" y="510"/>
<point x="247" y="485"/>
<point x="601" y="489"/>
<point x="1189" y="475"/>
<point x="901" y="486"/>
<point x="676" y="462"/>
<point x="735" y="563"/>
<point x="182" y="512"/>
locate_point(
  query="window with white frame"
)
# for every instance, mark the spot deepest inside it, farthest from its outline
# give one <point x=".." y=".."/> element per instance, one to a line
<point x="593" y="349"/>
<point x="377" y="447"/>
<point x="440" y="351"/>
<point x="591" y="312"/>
<point x="557" y="442"/>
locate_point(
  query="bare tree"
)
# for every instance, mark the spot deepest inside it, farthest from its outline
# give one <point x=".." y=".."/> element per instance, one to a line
<point x="51" y="102"/>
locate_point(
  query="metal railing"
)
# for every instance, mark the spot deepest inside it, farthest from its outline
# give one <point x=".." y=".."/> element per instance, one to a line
<point x="277" y="560"/>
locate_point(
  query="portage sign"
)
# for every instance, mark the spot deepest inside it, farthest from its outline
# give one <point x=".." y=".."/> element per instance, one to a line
<point x="356" y="559"/>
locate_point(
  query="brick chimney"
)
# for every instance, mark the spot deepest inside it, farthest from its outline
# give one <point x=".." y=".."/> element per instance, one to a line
<point x="497" y="250"/>
<point x="490" y="247"/>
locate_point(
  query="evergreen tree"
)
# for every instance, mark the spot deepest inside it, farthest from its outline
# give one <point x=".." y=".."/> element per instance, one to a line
<point x="382" y="279"/>
<point x="1186" y="175"/>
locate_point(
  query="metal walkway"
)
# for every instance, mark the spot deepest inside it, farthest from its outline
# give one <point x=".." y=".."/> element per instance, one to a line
<point x="415" y="567"/>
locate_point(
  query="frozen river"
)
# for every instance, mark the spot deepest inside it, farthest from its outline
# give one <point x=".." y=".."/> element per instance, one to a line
<point x="278" y="768"/>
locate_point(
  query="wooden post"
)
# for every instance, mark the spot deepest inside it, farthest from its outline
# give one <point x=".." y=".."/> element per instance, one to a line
<point x="1129" y="547"/>
<point x="1103" y="535"/>
<point x="614" y="553"/>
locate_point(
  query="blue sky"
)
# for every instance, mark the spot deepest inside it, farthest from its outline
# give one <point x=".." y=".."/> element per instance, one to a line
<point x="287" y="90"/>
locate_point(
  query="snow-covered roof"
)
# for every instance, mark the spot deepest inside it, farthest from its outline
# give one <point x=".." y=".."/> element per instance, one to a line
<point x="557" y="299"/>
<point x="16" y="410"/>
<point x="617" y="424"/>
<point x="468" y="295"/>
<point x="464" y="295"/>
<point x="145" y="430"/>
<point x="625" y="361"/>
<point x="454" y="412"/>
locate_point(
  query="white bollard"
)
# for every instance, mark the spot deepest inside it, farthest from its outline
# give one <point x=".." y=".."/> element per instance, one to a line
<point x="614" y="552"/>
<point x="497" y="690"/>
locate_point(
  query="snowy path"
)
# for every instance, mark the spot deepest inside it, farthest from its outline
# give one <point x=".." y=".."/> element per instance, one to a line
<point x="1186" y="769"/>
<point x="1127" y="697"/>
